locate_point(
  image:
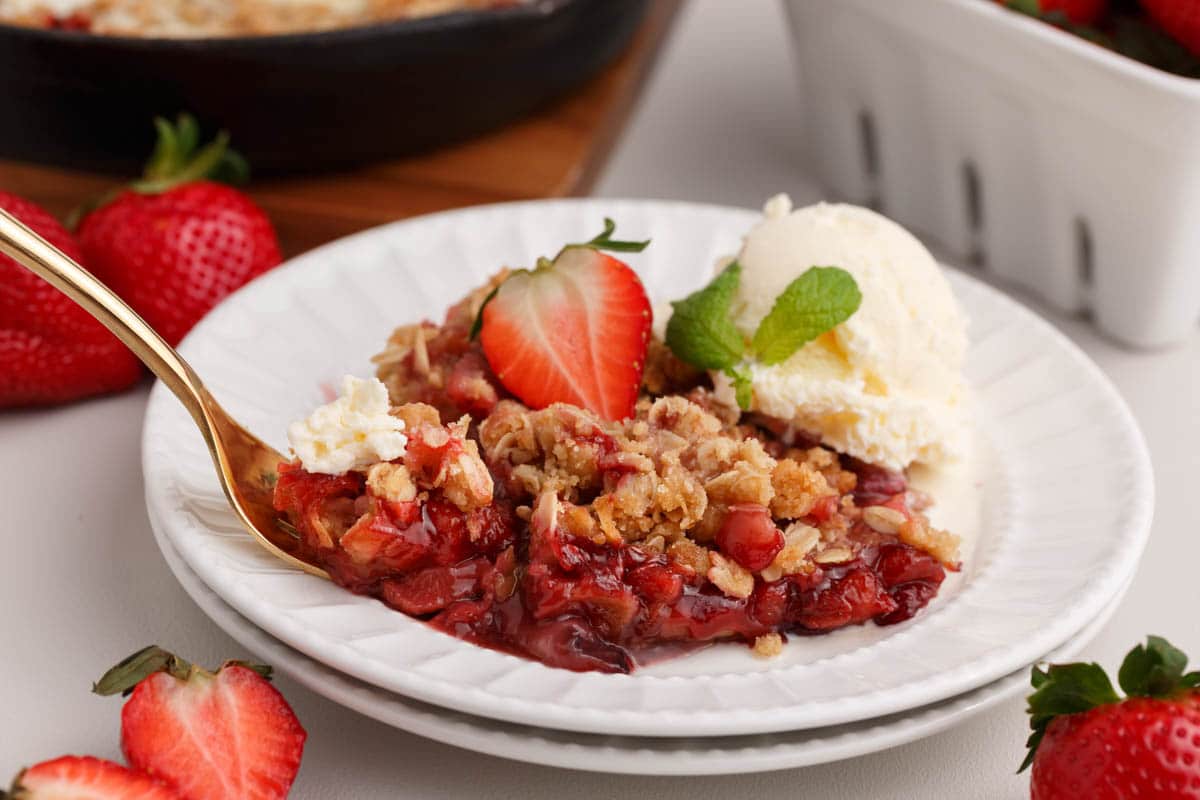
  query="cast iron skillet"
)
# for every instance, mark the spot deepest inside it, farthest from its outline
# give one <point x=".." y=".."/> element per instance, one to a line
<point x="306" y="101"/>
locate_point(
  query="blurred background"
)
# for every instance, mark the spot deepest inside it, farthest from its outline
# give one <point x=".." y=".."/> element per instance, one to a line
<point x="697" y="100"/>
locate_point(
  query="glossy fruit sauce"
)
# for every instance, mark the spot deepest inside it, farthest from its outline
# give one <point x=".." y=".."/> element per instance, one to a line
<point x="529" y="588"/>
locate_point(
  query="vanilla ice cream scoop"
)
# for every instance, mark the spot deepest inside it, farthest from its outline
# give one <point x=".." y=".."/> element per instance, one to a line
<point x="884" y="386"/>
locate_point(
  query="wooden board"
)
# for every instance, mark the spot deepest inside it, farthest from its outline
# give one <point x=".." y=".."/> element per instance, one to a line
<point x="557" y="152"/>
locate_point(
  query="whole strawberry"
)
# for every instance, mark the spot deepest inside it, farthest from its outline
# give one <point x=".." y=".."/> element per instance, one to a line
<point x="227" y="735"/>
<point x="1179" y="18"/>
<point x="51" y="350"/>
<point x="174" y="243"/>
<point x="1089" y="743"/>
<point x="574" y="329"/>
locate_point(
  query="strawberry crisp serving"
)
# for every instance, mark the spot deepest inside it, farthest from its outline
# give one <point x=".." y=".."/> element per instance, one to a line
<point x="554" y="473"/>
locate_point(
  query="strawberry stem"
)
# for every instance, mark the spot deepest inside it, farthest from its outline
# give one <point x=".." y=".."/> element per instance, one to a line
<point x="135" y="668"/>
<point x="1151" y="670"/>
<point x="177" y="159"/>
<point x="604" y="241"/>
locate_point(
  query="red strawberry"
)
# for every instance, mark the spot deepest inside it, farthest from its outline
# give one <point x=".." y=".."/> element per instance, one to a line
<point x="573" y="330"/>
<point x="1080" y="12"/>
<point x="748" y="535"/>
<point x="51" y="350"/>
<point x="223" y="736"/>
<point x="1089" y="743"/>
<point x="1179" y="18"/>
<point x="173" y="244"/>
<point x="86" y="778"/>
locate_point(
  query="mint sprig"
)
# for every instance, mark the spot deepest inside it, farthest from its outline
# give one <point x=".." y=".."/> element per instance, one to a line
<point x="701" y="331"/>
<point x="816" y="302"/>
<point x="743" y="389"/>
<point x="1155" y="669"/>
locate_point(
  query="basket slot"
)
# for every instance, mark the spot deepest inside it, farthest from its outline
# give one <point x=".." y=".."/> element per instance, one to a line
<point x="973" y="206"/>
<point x="868" y="139"/>
<point x="1084" y="265"/>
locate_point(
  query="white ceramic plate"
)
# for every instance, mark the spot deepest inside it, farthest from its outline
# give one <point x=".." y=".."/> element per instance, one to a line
<point x="1066" y="495"/>
<point x="618" y="754"/>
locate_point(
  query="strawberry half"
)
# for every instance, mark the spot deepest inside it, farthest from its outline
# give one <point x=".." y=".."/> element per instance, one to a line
<point x="574" y="330"/>
<point x="223" y="736"/>
<point x="1088" y="742"/>
<point x="86" y="778"/>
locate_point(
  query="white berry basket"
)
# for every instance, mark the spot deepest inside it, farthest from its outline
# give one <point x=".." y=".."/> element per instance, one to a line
<point x="1056" y="165"/>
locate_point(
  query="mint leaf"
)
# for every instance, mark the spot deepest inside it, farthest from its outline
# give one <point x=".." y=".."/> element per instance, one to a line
<point x="1152" y="670"/>
<point x="817" y="301"/>
<point x="701" y="331"/>
<point x="1064" y="689"/>
<point x="742" y="387"/>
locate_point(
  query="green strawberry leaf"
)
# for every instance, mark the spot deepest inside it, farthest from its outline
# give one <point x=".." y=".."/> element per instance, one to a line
<point x="135" y="668"/>
<point x="701" y="331"/>
<point x="265" y="671"/>
<point x="477" y="323"/>
<point x="1031" y="7"/>
<point x="1153" y="670"/>
<point x="817" y="301"/>
<point x="1064" y="689"/>
<point x="178" y="158"/>
<point x="604" y="241"/>
<point x="168" y="152"/>
<point x="132" y="670"/>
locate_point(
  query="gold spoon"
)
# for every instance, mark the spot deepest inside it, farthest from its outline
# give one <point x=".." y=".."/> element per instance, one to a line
<point x="246" y="466"/>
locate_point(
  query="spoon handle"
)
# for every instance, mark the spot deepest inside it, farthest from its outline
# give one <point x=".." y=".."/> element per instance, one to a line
<point x="45" y="260"/>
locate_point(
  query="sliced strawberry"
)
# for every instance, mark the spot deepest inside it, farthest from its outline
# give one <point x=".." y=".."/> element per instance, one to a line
<point x="574" y="330"/>
<point x="86" y="778"/>
<point x="223" y="736"/>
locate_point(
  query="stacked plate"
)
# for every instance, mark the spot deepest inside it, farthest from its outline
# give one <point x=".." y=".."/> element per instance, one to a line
<point x="1059" y="509"/>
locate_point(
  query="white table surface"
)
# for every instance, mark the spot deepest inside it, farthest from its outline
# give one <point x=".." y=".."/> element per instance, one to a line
<point x="83" y="584"/>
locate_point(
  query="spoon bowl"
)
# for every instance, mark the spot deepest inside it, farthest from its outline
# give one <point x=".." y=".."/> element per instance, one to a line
<point x="246" y="466"/>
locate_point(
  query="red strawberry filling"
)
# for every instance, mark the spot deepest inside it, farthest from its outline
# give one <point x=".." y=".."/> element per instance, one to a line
<point x="576" y="604"/>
